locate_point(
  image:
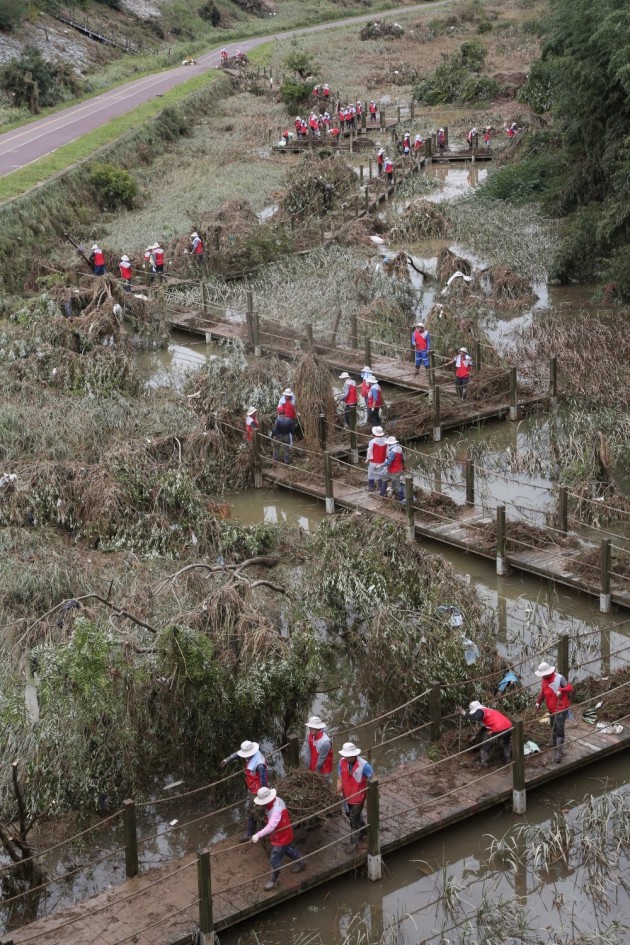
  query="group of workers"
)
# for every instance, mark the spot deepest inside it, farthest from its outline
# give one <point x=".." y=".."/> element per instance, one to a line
<point x="353" y="773"/>
<point x="421" y="343"/>
<point x="283" y="427"/>
<point x="495" y="727"/>
<point x="153" y="260"/>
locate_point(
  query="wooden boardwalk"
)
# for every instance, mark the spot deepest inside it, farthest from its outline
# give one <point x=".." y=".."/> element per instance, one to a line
<point x="461" y="530"/>
<point x="160" y="907"/>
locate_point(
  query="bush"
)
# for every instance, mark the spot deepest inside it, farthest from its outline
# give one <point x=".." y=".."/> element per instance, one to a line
<point x="35" y="83"/>
<point x="301" y="63"/>
<point x="114" y="187"/>
<point x="12" y="12"/>
<point x="478" y="88"/>
<point x="457" y="79"/>
<point x="210" y="13"/>
<point x="471" y="55"/>
<point x="537" y="91"/>
<point x="295" y="94"/>
<point x="528" y="179"/>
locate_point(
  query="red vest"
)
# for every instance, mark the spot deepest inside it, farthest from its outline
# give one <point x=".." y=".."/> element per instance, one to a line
<point x="198" y="249"/>
<point x="495" y="721"/>
<point x="252" y="778"/>
<point x="372" y="108"/>
<point x="125" y="271"/>
<point x="298" y="123"/>
<point x="380" y="158"/>
<point x="353" y="790"/>
<point x="418" y="145"/>
<point x="554" y="700"/>
<point x="351" y="396"/>
<point x="314" y="747"/>
<point x="289" y="409"/>
<point x="282" y="836"/>
<point x="379" y="452"/>
<point x="375" y="400"/>
<point x="98" y="259"/>
<point x="365" y="388"/>
<point x="398" y="463"/>
<point x="158" y="255"/>
<point x="462" y="368"/>
<point x="420" y="341"/>
<point x="389" y="167"/>
<point x="250" y="426"/>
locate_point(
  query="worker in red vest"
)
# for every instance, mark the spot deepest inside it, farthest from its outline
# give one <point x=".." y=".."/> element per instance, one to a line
<point x="289" y="403"/>
<point x="441" y="140"/>
<point x="298" y="126"/>
<point x="97" y="258"/>
<point x="374" y="401"/>
<point x="393" y="469"/>
<point x="197" y="249"/>
<point x="158" y="255"/>
<point x="326" y="91"/>
<point x="463" y="369"/>
<point x="376" y="455"/>
<point x="372" y="113"/>
<point x="366" y="372"/>
<point x="126" y="273"/>
<point x="418" y="142"/>
<point x="335" y="133"/>
<point x="348" y="397"/>
<point x="353" y="774"/>
<point x="256" y="777"/>
<point x="421" y="341"/>
<point x="380" y="161"/>
<point x="388" y="167"/>
<point x="555" y="694"/>
<point x="280" y="833"/>
<point x="224" y="55"/>
<point x="318" y="749"/>
<point x="493" y="725"/>
<point x="251" y="424"/>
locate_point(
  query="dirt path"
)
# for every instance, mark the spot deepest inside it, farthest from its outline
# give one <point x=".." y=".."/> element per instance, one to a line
<point x="30" y="142"/>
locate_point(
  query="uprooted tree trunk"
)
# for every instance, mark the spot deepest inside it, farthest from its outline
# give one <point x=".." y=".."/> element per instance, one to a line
<point x="14" y="839"/>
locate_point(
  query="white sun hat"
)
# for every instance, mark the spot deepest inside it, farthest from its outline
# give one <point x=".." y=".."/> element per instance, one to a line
<point x="350" y="750"/>
<point x="265" y="795"/>
<point x="544" y="670"/>
<point x="367" y="369"/>
<point x="372" y="380"/>
<point x="95" y="247"/>
<point x="315" y="722"/>
<point x="378" y="431"/>
<point x="124" y="258"/>
<point x="251" y="411"/>
<point x="465" y="350"/>
<point x="287" y="392"/>
<point x="391" y="440"/>
<point x="248" y="749"/>
<point x="474" y="706"/>
<point x="342" y="377"/>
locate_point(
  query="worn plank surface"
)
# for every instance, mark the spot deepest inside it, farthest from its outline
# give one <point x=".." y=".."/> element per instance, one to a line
<point x="417" y="799"/>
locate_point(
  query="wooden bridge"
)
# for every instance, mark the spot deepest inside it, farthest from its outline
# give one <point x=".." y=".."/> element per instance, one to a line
<point x="222" y="886"/>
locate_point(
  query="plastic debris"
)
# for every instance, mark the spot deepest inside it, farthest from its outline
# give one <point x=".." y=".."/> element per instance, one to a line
<point x="530" y="748"/>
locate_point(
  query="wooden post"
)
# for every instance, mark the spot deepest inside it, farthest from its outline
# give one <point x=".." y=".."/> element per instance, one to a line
<point x="501" y="567"/>
<point x="469" y="471"/>
<point x="381" y="112"/>
<point x="605" y="558"/>
<point x="428" y="148"/>
<point x="131" y="838"/>
<point x="367" y="202"/>
<point x="411" y="528"/>
<point x="437" y="427"/>
<point x="477" y="355"/>
<point x="553" y="382"/>
<point x="431" y="374"/>
<point x="204" y="888"/>
<point x="257" y="448"/>
<point x="322" y="430"/>
<point x="436" y="711"/>
<point x="412" y="109"/>
<point x="249" y="316"/>
<point x="446" y="137"/>
<point x="354" y="450"/>
<point x="351" y="141"/>
<point x="374" y="866"/>
<point x="367" y="350"/>
<point x="217" y="240"/>
<point x="293" y="752"/>
<point x="519" y="797"/>
<point x="354" y="341"/>
<point x="309" y="336"/>
<point x="563" y="513"/>
<point x="370" y="169"/>
<point x="360" y="173"/>
<point x="257" y="345"/>
<point x="77" y="275"/>
<point x="562" y="661"/>
<point x="513" y="404"/>
<point x="398" y="116"/>
<point x="328" y="482"/>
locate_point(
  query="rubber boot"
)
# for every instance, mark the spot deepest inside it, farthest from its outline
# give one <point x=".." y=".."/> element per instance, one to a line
<point x="371" y="485"/>
<point x="382" y="488"/>
<point x="558" y="753"/>
<point x="401" y="494"/>
<point x="507" y="753"/>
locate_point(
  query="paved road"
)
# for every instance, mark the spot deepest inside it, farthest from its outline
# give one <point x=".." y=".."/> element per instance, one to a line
<point x="24" y="145"/>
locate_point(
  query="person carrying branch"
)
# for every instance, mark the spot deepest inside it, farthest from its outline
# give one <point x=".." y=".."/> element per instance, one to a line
<point x="493" y="725"/>
<point x="463" y="369"/>
<point x="280" y="833"/>
<point x="555" y="692"/>
<point x="353" y="774"/>
<point x="256" y="777"/>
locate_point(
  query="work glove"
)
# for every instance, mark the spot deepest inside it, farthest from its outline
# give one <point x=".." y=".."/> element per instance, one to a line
<point x="255" y="838"/>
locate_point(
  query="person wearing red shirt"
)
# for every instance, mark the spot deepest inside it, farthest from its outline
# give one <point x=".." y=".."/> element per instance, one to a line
<point x="493" y="725"/>
<point x="126" y="273"/>
<point x="555" y="692"/>
<point x="280" y="833"/>
<point x="256" y="777"/>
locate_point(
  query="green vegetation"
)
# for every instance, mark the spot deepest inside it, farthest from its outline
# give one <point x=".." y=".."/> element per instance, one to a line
<point x="34" y="82"/>
<point x="114" y="187"/>
<point x="458" y="80"/>
<point x="12" y="12"/>
<point x="297" y="90"/>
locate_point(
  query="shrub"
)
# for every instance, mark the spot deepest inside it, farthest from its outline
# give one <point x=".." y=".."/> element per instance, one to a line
<point x="33" y="82"/>
<point x="478" y="88"/>
<point x="537" y="91"/>
<point x="114" y="187"/>
<point x="210" y="13"/>
<point x="294" y="94"/>
<point x="301" y="63"/>
<point x="471" y="55"/>
<point x="11" y="13"/>
<point x="528" y="179"/>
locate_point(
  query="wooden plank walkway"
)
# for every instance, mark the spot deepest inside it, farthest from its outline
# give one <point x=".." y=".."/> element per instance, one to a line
<point x="552" y="562"/>
<point x="160" y="906"/>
